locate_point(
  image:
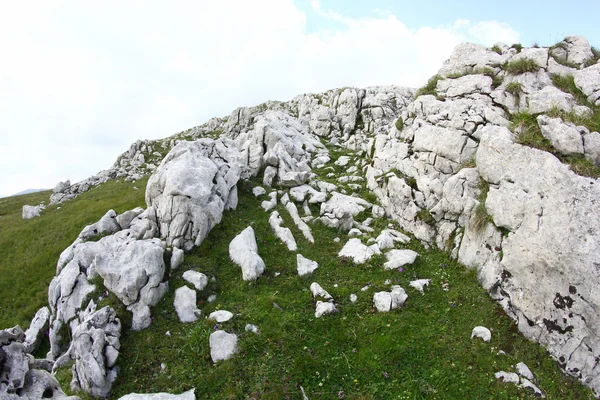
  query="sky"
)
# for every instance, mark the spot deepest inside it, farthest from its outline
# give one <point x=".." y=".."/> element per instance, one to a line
<point x="81" y="81"/>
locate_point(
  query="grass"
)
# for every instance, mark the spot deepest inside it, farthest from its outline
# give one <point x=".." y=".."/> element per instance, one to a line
<point x="429" y="88"/>
<point x="530" y="134"/>
<point x="29" y="249"/>
<point x="425" y="216"/>
<point x="399" y="124"/>
<point x="481" y="217"/>
<point x="515" y="89"/>
<point x="521" y="66"/>
<point x="497" y="49"/>
<point x="517" y="46"/>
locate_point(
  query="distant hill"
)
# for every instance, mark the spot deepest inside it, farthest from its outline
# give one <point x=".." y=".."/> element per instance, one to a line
<point x="26" y="191"/>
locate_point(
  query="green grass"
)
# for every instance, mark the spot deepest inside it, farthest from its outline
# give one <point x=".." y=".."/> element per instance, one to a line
<point x="530" y="134"/>
<point x="521" y="66"/>
<point x="497" y="49"/>
<point x="481" y="216"/>
<point x="399" y="124"/>
<point x="425" y="216"/>
<point x="515" y="89"/>
<point x="29" y="249"/>
<point x="589" y="120"/>
<point x="517" y="46"/>
<point x="429" y="88"/>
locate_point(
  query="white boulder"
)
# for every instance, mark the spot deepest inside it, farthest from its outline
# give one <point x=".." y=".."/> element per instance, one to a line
<point x="223" y="345"/>
<point x="304" y="265"/>
<point x="198" y="279"/>
<point x="185" y="304"/>
<point x="244" y="252"/>
<point x="481" y="332"/>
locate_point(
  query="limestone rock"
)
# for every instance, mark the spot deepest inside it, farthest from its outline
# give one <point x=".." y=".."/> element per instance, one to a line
<point x="220" y="316"/>
<point x="356" y="251"/>
<point x="258" y="191"/>
<point x="271" y="203"/>
<point x="324" y="308"/>
<point x="177" y="258"/>
<point x="134" y="273"/>
<point x="283" y="233"/>
<point x="30" y="212"/>
<point x="468" y="56"/>
<point x="588" y="80"/>
<point x="189" y="395"/>
<point x="185" y="304"/>
<point x="481" y="332"/>
<point x="419" y="284"/>
<point x="37" y="328"/>
<point x="198" y="279"/>
<point x="339" y="210"/>
<point x="244" y="252"/>
<point x="507" y="377"/>
<point x="399" y="258"/>
<point x="304" y="265"/>
<point x="318" y="291"/>
<point x="91" y="339"/>
<point x="190" y="189"/>
<point x="524" y="371"/>
<point x="387" y="301"/>
<point x="465" y="85"/>
<point x="223" y="345"/>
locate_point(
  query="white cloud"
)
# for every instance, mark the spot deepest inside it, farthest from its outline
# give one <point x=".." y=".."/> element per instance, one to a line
<point x="81" y="81"/>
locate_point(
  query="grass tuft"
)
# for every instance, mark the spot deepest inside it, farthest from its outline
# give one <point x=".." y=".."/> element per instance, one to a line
<point x="429" y="88"/>
<point x="399" y="124"/>
<point x="497" y="49"/>
<point x="521" y="66"/>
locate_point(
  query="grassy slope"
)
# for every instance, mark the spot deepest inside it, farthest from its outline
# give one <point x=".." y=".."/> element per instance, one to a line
<point x="421" y="351"/>
<point x="29" y="249"/>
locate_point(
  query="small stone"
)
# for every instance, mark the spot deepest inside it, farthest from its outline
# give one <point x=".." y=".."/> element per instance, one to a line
<point x="353" y="298"/>
<point x="304" y="265"/>
<point x="220" y="316"/>
<point x="420" y="284"/>
<point x="252" y="328"/>
<point x="198" y="279"/>
<point x="324" y="308"/>
<point x="524" y="371"/>
<point x="258" y="191"/>
<point x="223" y="345"/>
<point x="481" y="332"/>
<point x="211" y="298"/>
<point x="185" y="304"/>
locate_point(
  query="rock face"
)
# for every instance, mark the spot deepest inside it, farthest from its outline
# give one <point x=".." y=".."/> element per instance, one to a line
<point x="455" y="158"/>
<point x="190" y="189"/>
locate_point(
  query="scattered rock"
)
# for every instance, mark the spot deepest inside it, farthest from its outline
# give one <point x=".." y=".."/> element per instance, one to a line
<point x="244" y="252"/>
<point x="258" y="191"/>
<point x="304" y="265"/>
<point x="252" y="328"/>
<point x="318" y="291"/>
<point x="198" y="279"/>
<point x="223" y="345"/>
<point x="189" y="395"/>
<point x="283" y="233"/>
<point x="420" y="284"/>
<point x="176" y="258"/>
<point x="324" y="308"/>
<point x="386" y="301"/>
<point x="399" y="258"/>
<point x="482" y="332"/>
<point x="353" y="298"/>
<point x="358" y="252"/>
<point x="30" y="212"/>
<point x="220" y="316"/>
<point x="524" y="371"/>
<point x="185" y="304"/>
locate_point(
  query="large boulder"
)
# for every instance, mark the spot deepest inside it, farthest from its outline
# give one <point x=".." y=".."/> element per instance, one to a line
<point x="190" y="189"/>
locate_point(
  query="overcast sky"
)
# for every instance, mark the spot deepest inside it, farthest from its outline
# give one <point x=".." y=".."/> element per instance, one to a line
<point x="80" y="80"/>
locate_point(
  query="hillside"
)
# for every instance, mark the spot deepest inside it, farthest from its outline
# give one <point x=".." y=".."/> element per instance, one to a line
<point x="484" y="170"/>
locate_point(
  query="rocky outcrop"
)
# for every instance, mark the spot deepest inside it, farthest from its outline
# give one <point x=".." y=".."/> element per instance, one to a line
<point x="191" y="188"/>
<point x="456" y="178"/>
